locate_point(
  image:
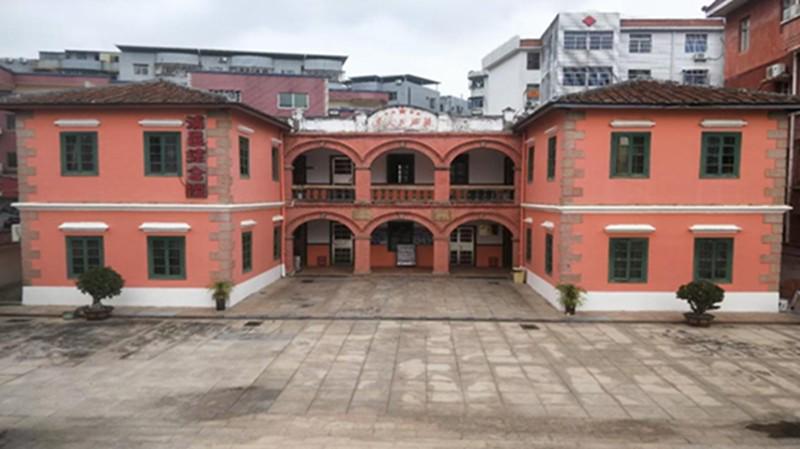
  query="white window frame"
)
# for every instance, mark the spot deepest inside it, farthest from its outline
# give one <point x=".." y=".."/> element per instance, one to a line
<point x="594" y="76"/>
<point x="790" y="10"/>
<point x="137" y="69"/>
<point x="294" y="103"/>
<point x="694" y="72"/>
<point x="693" y="47"/>
<point x="744" y="35"/>
<point x="640" y="43"/>
<point x="640" y="74"/>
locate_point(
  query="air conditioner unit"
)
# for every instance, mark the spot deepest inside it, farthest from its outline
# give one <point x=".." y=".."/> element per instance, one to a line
<point x="700" y="57"/>
<point x="223" y="59"/>
<point x="776" y="70"/>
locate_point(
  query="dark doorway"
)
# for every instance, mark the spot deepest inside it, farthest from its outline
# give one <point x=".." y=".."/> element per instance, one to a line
<point x="508" y="171"/>
<point x="300" y="243"/>
<point x="508" y="248"/>
<point x="299" y="171"/>
<point x="400" y="233"/>
<point x="400" y="169"/>
<point x="459" y="170"/>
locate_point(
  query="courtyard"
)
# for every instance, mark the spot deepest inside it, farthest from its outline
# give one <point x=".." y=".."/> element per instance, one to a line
<point x="182" y="383"/>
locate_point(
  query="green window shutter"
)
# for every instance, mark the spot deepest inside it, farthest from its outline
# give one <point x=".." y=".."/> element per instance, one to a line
<point x="166" y="257"/>
<point x="548" y="253"/>
<point x="247" y="251"/>
<point x="528" y="244"/>
<point x="531" y="153"/>
<point x="551" y="158"/>
<point x="83" y="253"/>
<point x="79" y="154"/>
<point x="276" y="242"/>
<point x="630" y="155"/>
<point x="162" y="154"/>
<point x="285" y="100"/>
<point x="720" y="155"/>
<point x="713" y="259"/>
<point x="244" y="157"/>
<point x="627" y="260"/>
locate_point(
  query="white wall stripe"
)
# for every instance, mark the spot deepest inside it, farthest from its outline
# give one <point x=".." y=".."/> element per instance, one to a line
<point x="173" y="207"/>
<point x="660" y="209"/>
<point x="159" y="123"/>
<point x="84" y="226"/>
<point x="77" y="123"/>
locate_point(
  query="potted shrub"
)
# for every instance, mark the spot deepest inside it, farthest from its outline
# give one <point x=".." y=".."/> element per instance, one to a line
<point x="571" y="296"/>
<point x="702" y="296"/>
<point x="221" y="291"/>
<point x="100" y="283"/>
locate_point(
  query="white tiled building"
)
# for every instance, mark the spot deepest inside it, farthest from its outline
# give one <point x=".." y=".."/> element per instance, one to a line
<point x="584" y="50"/>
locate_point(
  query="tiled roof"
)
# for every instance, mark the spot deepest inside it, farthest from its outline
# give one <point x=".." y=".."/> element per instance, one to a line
<point x="145" y="94"/>
<point x="151" y="92"/>
<point x="667" y="94"/>
<point x="655" y="23"/>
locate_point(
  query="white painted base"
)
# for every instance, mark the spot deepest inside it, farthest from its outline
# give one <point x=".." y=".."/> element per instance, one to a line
<point x="148" y="296"/>
<point x="655" y="301"/>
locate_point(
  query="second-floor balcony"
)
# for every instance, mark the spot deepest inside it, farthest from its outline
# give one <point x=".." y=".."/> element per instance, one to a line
<point x="479" y="176"/>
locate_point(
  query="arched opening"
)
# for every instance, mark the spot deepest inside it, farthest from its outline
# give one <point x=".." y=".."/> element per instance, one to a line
<point x="481" y="246"/>
<point x="401" y="245"/>
<point x="402" y="175"/>
<point x="323" y="175"/>
<point x="324" y="246"/>
<point x="482" y="175"/>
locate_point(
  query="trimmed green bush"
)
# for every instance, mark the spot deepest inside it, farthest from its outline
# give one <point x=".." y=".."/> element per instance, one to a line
<point x="571" y="296"/>
<point x="100" y="283"/>
<point x="702" y="296"/>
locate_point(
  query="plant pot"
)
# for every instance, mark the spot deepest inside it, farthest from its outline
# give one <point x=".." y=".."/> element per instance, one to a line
<point x="220" y="303"/>
<point x="698" y="319"/>
<point x="569" y="309"/>
<point x="97" y="312"/>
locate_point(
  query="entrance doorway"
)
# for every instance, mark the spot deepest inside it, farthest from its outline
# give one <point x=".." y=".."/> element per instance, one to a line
<point x="401" y="244"/>
<point x="342" y="244"/>
<point x="323" y="244"/>
<point x="462" y="246"/>
<point x="481" y="244"/>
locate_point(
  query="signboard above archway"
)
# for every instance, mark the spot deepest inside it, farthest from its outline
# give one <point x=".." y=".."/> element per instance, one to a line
<point x="402" y="119"/>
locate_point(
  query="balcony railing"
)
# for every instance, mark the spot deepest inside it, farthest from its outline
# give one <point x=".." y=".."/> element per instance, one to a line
<point x="482" y="194"/>
<point x="324" y="193"/>
<point x="402" y="193"/>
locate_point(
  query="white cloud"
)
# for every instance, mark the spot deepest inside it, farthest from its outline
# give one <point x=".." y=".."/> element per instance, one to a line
<point x="438" y="39"/>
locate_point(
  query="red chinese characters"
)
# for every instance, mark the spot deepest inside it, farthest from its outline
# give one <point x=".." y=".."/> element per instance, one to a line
<point x="196" y="157"/>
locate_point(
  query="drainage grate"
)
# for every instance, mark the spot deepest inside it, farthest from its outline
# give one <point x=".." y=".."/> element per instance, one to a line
<point x="253" y="323"/>
<point x="529" y="326"/>
<point x="777" y="430"/>
<point x="307" y="281"/>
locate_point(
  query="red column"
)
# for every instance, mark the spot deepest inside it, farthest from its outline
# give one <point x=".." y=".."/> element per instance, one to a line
<point x="363" y="185"/>
<point x="441" y="184"/>
<point x="362" y="262"/>
<point x="441" y="255"/>
<point x="287" y="184"/>
<point x="516" y="259"/>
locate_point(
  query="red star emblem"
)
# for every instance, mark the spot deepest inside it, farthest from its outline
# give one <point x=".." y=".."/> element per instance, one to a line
<point x="589" y="21"/>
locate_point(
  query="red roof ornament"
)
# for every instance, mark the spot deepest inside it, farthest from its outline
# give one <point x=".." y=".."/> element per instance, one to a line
<point x="589" y="21"/>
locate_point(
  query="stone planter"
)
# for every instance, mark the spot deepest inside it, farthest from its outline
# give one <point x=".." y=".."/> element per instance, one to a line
<point x="220" y="302"/>
<point x="97" y="313"/>
<point x="698" y="319"/>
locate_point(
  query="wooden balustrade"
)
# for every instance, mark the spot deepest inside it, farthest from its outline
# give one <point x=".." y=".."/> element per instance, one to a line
<point x="482" y="194"/>
<point x="402" y="194"/>
<point x="324" y="193"/>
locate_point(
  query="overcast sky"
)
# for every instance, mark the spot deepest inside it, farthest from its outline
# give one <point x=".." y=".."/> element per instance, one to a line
<point x="438" y="39"/>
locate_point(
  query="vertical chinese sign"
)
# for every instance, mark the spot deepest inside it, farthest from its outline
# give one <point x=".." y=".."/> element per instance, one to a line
<point x="196" y="157"/>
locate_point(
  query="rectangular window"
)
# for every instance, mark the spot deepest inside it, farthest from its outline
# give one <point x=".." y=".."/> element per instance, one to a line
<point x="791" y="9"/>
<point x="588" y="76"/>
<point x="640" y="43"/>
<point x="79" y="154"/>
<point x="476" y="102"/>
<point x="292" y="100"/>
<point x="11" y="160"/>
<point x="575" y="40"/>
<point x="713" y="259"/>
<point x="548" y="253"/>
<point x="247" y="251"/>
<point x="11" y="122"/>
<point x="627" y="260"/>
<point x="696" y="43"/>
<point x="392" y="96"/>
<point x="551" y="158"/>
<point x="601" y="40"/>
<point x="459" y="170"/>
<point x="400" y="169"/>
<point x="720" y="155"/>
<point x="244" y="157"/>
<point x="533" y="62"/>
<point x="695" y="77"/>
<point x="744" y="35"/>
<point x="276" y="163"/>
<point x="162" y="154"/>
<point x="83" y="254"/>
<point x="531" y="154"/>
<point x="528" y="244"/>
<point x="630" y="155"/>
<point x="276" y="242"/>
<point x="231" y="94"/>
<point x="166" y="257"/>
<point x="639" y="74"/>
<point x="141" y="69"/>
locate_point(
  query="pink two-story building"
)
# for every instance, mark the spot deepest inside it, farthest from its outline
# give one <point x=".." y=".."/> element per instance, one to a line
<point x="628" y="191"/>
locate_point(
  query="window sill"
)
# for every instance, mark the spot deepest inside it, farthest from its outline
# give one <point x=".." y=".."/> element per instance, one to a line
<point x="790" y="19"/>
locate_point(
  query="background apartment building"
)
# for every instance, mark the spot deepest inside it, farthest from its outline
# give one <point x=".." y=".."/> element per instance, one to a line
<point x="579" y="51"/>
<point x="409" y="90"/>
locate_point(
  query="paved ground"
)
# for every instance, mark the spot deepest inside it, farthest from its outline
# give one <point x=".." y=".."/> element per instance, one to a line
<point x="395" y="384"/>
